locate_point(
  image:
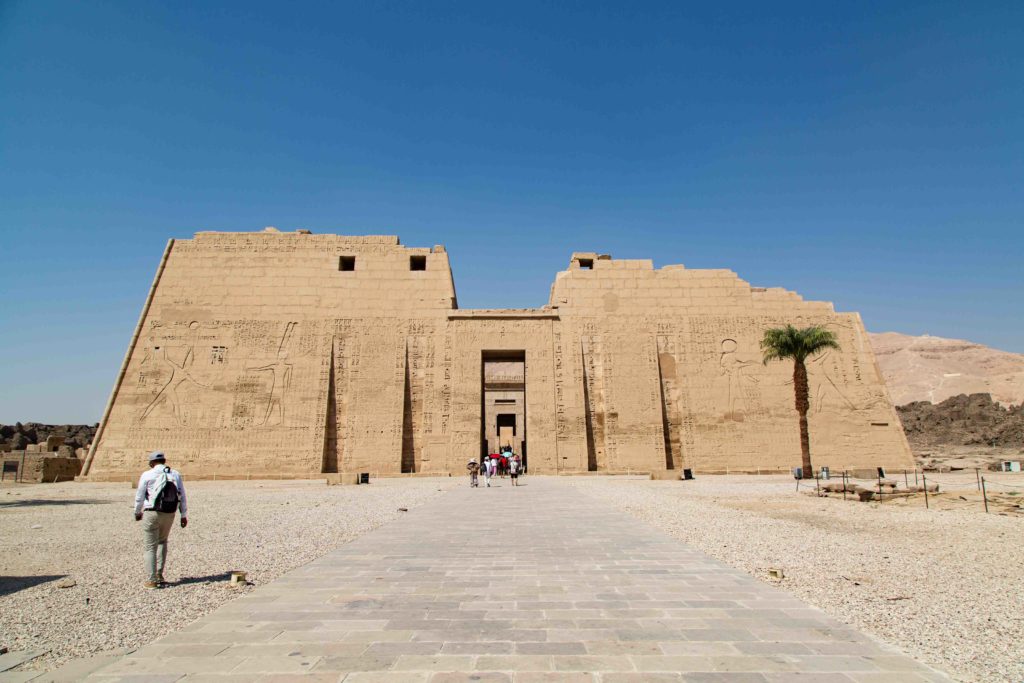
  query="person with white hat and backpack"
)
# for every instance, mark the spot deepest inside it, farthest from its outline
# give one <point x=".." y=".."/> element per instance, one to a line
<point x="160" y="494"/>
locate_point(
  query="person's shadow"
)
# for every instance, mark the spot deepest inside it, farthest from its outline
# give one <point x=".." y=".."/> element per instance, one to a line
<point x="42" y="502"/>
<point x="211" y="578"/>
<point x="13" y="584"/>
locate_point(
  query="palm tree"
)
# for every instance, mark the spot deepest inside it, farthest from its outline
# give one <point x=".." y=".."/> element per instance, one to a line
<point x="780" y="343"/>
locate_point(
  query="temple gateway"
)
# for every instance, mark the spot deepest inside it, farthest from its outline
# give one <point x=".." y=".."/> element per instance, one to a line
<point x="272" y="354"/>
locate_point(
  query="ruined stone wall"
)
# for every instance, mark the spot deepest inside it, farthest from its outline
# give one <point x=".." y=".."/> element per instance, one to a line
<point x="41" y="467"/>
<point x="674" y="374"/>
<point x="291" y="354"/>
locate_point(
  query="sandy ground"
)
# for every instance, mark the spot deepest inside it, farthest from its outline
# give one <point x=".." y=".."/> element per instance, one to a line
<point x="946" y="584"/>
<point x="86" y="533"/>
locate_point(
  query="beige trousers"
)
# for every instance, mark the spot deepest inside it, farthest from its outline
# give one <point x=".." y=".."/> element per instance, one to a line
<point x="156" y="527"/>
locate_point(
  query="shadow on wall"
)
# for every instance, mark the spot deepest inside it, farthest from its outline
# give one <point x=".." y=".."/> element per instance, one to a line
<point x="13" y="584"/>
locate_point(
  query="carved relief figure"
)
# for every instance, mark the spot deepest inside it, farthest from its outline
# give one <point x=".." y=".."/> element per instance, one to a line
<point x="180" y="374"/>
<point x="825" y="385"/>
<point x="738" y="380"/>
<point x="280" y="378"/>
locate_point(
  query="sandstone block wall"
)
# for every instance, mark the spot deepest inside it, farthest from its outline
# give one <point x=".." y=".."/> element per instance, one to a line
<point x="40" y="467"/>
<point x="290" y="355"/>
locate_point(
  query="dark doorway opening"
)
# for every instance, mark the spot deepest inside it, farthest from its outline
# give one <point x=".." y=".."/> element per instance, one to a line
<point x="507" y="421"/>
<point x="503" y="399"/>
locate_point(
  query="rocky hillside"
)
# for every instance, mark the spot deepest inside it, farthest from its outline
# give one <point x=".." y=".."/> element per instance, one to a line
<point x="19" y="435"/>
<point x="963" y="420"/>
<point x="933" y="369"/>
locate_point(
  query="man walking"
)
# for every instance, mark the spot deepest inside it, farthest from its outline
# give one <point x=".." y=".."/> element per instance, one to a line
<point x="160" y="494"/>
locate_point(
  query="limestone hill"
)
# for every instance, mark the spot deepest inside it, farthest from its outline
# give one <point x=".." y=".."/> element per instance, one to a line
<point x="933" y="369"/>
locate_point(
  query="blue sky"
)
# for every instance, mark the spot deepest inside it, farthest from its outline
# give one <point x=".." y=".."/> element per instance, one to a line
<point x="864" y="153"/>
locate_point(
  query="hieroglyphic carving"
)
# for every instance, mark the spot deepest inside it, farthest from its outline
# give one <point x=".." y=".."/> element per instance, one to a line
<point x="562" y="429"/>
<point x="376" y="379"/>
<point x="446" y="385"/>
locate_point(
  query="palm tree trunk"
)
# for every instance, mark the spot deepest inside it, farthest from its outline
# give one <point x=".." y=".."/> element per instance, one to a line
<point x="802" y="405"/>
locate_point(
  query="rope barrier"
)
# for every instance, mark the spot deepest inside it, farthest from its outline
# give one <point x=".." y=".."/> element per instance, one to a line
<point x="999" y="483"/>
<point x="874" y="485"/>
<point x="947" y="483"/>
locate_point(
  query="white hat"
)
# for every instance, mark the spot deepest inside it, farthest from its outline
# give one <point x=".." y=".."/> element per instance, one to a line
<point x="156" y="455"/>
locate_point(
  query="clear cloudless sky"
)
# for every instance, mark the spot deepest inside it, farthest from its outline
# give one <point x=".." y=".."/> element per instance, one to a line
<point x="869" y="154"/>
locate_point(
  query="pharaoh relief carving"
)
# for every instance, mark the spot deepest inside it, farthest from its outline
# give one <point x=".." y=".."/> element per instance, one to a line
<point x="279" y="375"/>
<point x="738" y="382"/>
<point x="181" y="389"/>
<point x="170" y="370"/>
<point x="825" y="389"/>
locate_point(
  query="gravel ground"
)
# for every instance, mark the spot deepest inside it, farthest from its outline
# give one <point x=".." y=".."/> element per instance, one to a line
<point x="946" y="585"/>
<point x="86" y="533"/>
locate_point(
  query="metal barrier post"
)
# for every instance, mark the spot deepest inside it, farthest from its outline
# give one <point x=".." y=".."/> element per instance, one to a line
<point x="923" y="477"/>
<point x="984" y="494"/>
<point x="977" y="475"/>
<point x="879" y="487"/>
<point x="906" y="479"/>
<point x="844" y="484"/>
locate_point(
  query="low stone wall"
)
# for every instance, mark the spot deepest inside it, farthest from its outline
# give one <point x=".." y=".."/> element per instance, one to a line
<point x="39" y="468"/>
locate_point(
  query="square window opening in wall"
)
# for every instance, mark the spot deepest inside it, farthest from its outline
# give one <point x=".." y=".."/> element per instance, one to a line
<point x="346" y="263"/>
<point x="587" y="263"/>
<point x="417" y="263"/>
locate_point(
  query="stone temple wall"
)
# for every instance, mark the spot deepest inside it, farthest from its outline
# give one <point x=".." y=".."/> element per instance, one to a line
<point x="291" y="355"/>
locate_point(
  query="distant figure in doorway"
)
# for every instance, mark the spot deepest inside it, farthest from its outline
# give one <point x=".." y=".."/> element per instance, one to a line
<point x="160" y="494"/>
<point x="474" y="471"/>
<point x="513" y="469"/>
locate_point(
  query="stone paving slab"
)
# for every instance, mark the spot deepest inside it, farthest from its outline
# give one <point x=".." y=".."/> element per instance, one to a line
<point x="9" y="660"/>
<point x="518" y="584"/>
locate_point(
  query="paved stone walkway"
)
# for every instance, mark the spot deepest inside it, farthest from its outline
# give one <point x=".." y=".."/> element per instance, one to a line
<point x="536" y="583"/>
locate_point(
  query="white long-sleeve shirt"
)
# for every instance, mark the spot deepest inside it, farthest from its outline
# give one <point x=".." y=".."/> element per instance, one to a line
<point x="149" y="488"/>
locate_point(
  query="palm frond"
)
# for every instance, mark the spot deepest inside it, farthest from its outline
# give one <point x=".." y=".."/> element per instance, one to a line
<point x="780" y="343"/>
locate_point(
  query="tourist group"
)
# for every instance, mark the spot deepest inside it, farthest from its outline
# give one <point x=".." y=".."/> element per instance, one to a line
<point x="495" y="465"/>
